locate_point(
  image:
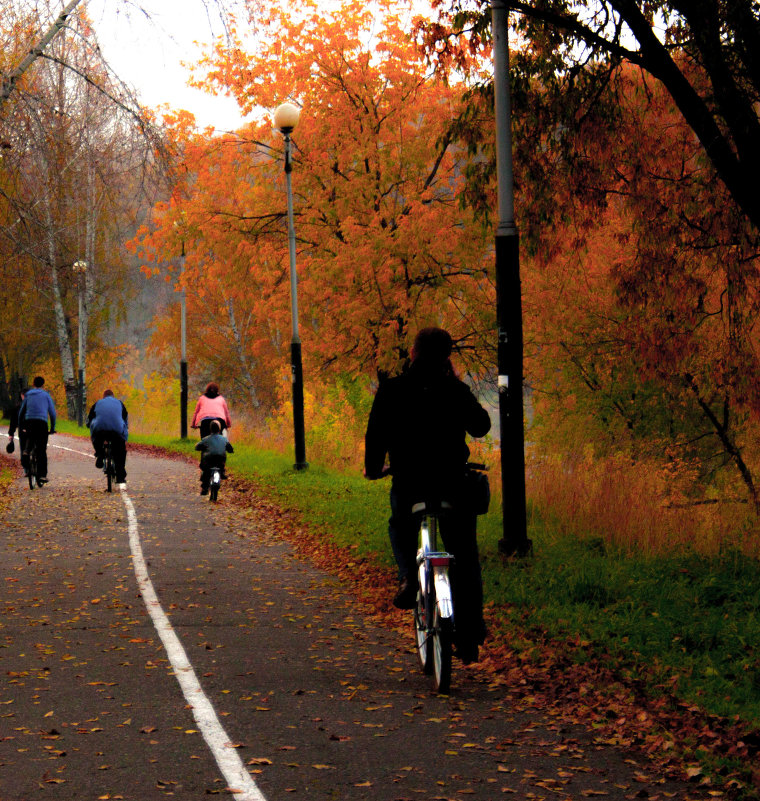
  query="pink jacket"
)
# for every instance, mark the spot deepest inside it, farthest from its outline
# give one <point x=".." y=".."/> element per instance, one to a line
<point x="211" y="407"/>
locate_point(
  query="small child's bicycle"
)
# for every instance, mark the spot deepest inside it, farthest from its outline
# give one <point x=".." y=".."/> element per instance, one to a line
<point x="215" y="481"/>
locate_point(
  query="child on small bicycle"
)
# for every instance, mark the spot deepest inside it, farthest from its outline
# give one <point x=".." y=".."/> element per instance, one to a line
<point x="214" y="449"/>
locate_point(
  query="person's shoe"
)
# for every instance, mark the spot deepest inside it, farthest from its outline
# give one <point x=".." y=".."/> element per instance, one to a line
<point x="467" y="652"/>
<point x="41" y="480"/>
<point x="406" y="595"/>
<point x="99" y="462"/>
<point x="204" y="490"/>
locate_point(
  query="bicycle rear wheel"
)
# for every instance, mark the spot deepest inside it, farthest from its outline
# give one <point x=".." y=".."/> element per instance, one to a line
<point x="442" y="637"/>
<point x="422" y="634"/>
<point x="108" y="468"/>
<point x="213" y="492"/>
<point x="32" y="468"/>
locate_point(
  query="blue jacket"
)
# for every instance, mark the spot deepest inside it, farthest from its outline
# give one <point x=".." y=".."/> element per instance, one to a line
<point x="109" y="414"/>
<point x="38" y="405"/>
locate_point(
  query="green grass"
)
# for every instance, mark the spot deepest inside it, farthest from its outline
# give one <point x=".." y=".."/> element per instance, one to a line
<point x="683" y="618"/>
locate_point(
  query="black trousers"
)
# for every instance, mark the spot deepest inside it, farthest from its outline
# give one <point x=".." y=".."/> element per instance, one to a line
<point x="206" y="425"/>
<point x="37" y="436"/>
<point x="118" y="451"/>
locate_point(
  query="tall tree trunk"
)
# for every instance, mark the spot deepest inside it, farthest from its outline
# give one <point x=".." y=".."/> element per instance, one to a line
<point x="250" y="383"/>
<point x="61" y="329"/>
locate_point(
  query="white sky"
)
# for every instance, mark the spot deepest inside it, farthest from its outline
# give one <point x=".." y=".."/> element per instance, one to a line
<point x="147" y="54"/>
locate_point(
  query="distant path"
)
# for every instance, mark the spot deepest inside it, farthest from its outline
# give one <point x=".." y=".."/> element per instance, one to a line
<point x="301" y="696"/>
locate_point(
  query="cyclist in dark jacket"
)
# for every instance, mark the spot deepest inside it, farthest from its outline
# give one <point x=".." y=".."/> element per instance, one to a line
<point x="214" y="449"/>
<point x="15" y="425"/>
<point x="35" y="410"/>
<point x="108" y="420"/>
<point x="420" y="420"/>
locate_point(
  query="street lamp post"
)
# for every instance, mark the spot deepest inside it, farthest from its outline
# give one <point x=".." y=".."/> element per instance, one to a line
<point x="508" y="306"/>
<point x="183" y="353"/>
<point x="80" y="269"/>
<point x="286" y="119"/>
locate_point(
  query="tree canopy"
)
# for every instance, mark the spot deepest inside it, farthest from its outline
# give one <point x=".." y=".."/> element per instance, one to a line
<point x="383" y="244"/>
<point x="703" y="52"/>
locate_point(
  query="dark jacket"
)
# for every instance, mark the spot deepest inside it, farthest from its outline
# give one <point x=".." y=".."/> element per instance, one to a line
<point x="214" y="445"/>
<point x="420" y="419"/>
<point x="13" y="418"/>
<point x="108" y="415"/>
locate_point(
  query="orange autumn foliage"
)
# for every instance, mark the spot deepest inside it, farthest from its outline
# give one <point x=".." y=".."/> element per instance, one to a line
<point x="384" y="247"/>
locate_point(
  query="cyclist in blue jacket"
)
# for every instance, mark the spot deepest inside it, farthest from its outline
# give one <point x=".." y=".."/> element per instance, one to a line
<point x="108" y="420"/>
<point x="33" y="415"/>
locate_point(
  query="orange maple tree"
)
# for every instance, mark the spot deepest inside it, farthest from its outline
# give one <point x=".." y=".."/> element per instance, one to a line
<point x="384" y="246"/>
<point x="642" y="304"/>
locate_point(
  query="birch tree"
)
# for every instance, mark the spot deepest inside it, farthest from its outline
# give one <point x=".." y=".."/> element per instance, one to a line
<point x="74" y="152"/>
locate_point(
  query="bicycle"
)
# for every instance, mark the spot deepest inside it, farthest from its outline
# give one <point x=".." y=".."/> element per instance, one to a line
<point x="32" y="466"/>
<point x="434" y="609"/>
<point x="215" y="482"/>
<point x="109" y="468"/>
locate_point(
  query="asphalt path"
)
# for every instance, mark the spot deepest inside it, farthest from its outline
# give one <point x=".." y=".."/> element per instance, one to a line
<point x="153" y="644"/>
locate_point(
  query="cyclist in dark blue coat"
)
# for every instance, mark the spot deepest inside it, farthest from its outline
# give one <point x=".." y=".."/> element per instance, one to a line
<point x="420" y="420"/>
<point x="35" y="410"/>
<point x="108" y="420"/>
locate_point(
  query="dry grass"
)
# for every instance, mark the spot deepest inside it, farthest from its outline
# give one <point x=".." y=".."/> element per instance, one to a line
<point x="637" y="506"/>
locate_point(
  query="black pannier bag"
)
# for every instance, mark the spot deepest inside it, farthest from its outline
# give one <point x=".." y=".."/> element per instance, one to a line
<point x="476" y="493"/>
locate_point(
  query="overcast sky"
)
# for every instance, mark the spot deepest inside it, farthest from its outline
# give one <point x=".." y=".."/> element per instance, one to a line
<point x="147" y="54"/>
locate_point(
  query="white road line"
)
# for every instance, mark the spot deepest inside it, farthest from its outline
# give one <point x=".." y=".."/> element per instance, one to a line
<point x="239" y="781"/>
<point x="70" y="450"/>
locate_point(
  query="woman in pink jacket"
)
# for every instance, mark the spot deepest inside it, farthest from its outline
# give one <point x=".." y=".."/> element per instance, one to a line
<point x="211" y="406"/>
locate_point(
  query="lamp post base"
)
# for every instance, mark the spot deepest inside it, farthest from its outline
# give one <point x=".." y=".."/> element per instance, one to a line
<point x="298" y="415"/>
<point x="183" y="399"/>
